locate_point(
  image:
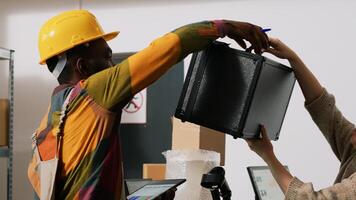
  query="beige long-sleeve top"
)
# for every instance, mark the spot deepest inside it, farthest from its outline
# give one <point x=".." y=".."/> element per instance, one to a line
<point x="337" y="130"/>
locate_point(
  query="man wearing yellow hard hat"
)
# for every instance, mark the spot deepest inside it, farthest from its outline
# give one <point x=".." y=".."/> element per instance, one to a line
<point x="76" y="148"/>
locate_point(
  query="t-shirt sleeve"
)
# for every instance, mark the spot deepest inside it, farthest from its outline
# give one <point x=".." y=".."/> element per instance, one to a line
<point x="114" y="87"/>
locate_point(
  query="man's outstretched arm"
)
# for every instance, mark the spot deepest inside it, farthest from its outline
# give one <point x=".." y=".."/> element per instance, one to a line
<point x="116" y="85"/>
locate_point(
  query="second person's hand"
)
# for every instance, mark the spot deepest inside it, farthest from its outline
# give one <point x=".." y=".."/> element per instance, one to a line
<point x="281" y="50"/>
<point x="261" y="146"/>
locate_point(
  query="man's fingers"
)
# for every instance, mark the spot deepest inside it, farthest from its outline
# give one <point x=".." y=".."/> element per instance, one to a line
<point x="259" y="39"/>
<point x="263" y="38"/>
<point x="249" y="49"/>
<point x="256" y="44"/>
<point x="240" y="41"/>
<point x="265" y="42"/>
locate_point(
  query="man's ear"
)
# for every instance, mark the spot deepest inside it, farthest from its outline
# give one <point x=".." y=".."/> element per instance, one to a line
<point x="82" y="67"/>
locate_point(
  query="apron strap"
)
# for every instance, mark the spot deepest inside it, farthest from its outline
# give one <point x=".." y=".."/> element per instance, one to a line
<point x="62" y="119"/>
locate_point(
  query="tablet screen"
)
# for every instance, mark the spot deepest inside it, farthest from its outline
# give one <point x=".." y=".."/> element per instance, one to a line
<point x="264" y="185"/>
<point x="154" y="189"/>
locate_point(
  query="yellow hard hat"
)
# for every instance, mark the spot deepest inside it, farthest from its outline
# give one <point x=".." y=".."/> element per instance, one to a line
<point x="67" y="30"/>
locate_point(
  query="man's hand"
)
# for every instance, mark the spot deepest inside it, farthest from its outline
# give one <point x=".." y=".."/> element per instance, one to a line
<point x="262" y="146"/>
<point x="240" y="31"/>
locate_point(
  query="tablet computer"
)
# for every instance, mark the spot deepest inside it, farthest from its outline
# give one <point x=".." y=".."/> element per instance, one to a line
<point x="264" y="184"/>
<point x="131" y="185"/>
<point x="154" y="189"/>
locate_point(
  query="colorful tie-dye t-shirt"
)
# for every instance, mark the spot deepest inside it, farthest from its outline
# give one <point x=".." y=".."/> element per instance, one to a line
<point x="90" y="164"/>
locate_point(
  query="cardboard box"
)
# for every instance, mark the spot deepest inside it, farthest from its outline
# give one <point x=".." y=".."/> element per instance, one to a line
<point x="191" y="136"/>
<point x="4" y="122"/>
<point x="154" y="171"/>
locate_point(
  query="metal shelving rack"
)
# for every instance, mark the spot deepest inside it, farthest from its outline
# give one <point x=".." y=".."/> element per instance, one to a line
<point x="8" y="54"/>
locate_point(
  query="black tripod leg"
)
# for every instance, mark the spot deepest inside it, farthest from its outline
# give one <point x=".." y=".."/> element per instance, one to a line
<point x="215" y="194"/>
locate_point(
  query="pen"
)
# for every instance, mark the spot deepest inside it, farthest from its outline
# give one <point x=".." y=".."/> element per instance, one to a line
<point x="266" y="30"/>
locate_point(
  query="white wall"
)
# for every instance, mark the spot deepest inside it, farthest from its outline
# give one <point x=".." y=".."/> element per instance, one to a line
<point x="321" y="31"/>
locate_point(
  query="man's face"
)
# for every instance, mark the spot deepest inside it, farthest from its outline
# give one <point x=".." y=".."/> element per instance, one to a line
<point x="99" y="57"/>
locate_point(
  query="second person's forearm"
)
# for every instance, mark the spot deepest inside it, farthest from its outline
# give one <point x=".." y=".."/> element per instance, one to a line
<point x="309" y="84"/>
<point x="279" y="172"/>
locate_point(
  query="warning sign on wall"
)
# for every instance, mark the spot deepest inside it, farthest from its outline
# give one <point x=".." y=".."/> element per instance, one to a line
<point x="135" y="111"/>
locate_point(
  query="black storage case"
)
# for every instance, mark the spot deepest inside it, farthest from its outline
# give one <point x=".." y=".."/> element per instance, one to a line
<point x="233" y="91"/>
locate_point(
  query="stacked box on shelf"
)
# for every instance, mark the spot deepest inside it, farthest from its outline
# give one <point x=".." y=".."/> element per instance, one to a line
<point x="4" y="122"/>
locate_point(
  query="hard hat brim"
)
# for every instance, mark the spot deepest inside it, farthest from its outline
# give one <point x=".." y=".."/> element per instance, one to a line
<point x="106" y="37"/>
